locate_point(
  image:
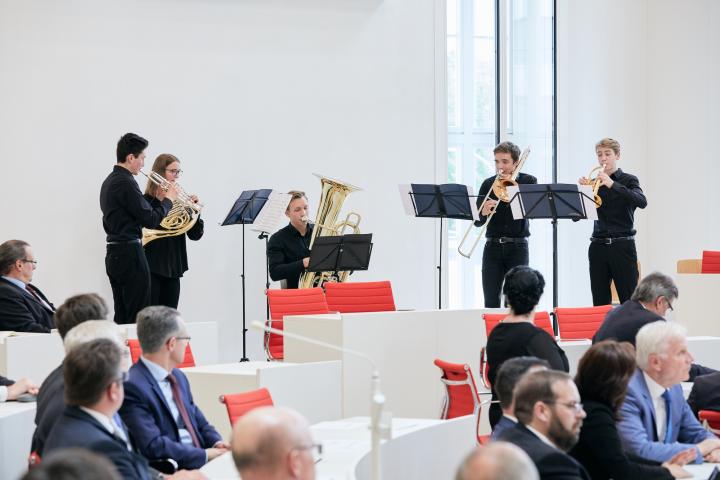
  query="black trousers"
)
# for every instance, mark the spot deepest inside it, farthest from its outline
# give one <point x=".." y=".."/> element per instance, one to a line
<point x="164" y="291"/>
<point x="615" y="262"/>
<point x="129" y="274"/>
<point x="498" y="258"/>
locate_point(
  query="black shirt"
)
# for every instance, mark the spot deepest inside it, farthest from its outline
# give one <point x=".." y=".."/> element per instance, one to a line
<point x="167" y="256"/>
<point x="616" y="215"/>
<point x="502" y="223"/>
<point x="125" y="210"/>
<point x="286" y="250"/>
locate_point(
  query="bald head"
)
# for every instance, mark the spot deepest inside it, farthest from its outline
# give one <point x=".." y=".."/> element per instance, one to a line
<point x="497" y="461"/>
<point x="273" y="443"/>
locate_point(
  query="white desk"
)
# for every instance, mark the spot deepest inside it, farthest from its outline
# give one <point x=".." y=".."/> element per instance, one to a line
<point x="574" y="350"/>
<point x="16" y="429"/>
<point x="695" y="307"/>
<point x="420" y="449"/>
<point x="31" y="355"/>
<point x="313" y="389"/>
<point x="702" y="471"/>
<point x="204" y="340"/>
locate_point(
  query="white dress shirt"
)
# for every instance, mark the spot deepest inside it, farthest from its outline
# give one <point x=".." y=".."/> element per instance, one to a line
<point x="656" y="391"/>
<point x="3" y="394"/>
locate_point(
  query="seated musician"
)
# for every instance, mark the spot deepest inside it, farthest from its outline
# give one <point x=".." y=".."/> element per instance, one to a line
<point x="289" y="247"/>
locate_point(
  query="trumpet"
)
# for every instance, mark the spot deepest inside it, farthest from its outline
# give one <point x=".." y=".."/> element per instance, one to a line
<point x="182" y="216"/>
<point x="596" y="183"/>
<point x="499" y="189"/>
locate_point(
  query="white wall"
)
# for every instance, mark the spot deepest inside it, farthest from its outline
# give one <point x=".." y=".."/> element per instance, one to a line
<point x="251" y="94"/>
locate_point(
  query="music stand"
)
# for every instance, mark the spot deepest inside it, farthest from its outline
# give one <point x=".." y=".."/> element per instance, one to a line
<point x="338" y="253"/>
<point x="450" y="200"/>
<point x="244" y="211"/>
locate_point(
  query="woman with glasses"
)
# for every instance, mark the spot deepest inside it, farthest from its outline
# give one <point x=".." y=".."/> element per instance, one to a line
<point x="602" y="379"/>
<point x="167" y="256"/>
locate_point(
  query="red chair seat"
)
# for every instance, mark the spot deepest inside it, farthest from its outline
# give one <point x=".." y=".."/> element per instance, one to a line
<point x="303" y="301"/>
<point x="350" y="297"/>
<point x="710" y="262"/>
<point x="541" y="320"/>
<point x="135" y="352"/>
<point x="238" y="404"/>
<point x="580" y="323"/>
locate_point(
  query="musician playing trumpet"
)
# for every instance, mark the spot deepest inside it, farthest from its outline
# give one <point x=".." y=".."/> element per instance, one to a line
<point x="612" y="254"/>
<point x="167" y="256"/>
<point x="289" y="247"/>
<point x="507" y="239"/>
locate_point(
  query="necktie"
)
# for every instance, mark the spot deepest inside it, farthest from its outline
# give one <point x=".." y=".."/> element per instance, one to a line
<point x="183" y="410"/>
<point x="31" y="290"/>
<point x="668" y="429"/>
<point x="120" y="431"/>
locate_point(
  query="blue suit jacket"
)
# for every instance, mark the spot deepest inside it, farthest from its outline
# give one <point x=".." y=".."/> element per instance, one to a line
<point x="637" y="425"/>
<point x="501" y="426"/>
<point x="148" y="418"/>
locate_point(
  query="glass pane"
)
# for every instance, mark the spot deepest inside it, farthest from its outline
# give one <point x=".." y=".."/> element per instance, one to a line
<point x="452" y="17"/>
<point x="484" y="18"/>
<point x="484" y="85"/>
<point x="453" y="83"/>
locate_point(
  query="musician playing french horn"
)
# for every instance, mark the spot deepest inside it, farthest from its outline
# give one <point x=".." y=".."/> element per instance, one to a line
<point x="289" y="247"/>
<point x="612" y="254"/>
<point x="125" y="212"/>
<point x="167" y="256"/>
<point x="507" y="239"/>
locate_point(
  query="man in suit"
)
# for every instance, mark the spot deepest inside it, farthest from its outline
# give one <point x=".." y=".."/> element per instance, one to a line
<point x="23" y="307"/>
<point x="507" y="377"/>
<point x="11" y="390"/>
<point x="549" y="413"/>
<point x="159" y="408"/>
<point x="274" y="442"/>
<point x="705" y="393"/>
<point x="656" y="421"/>
<point x="497" y="461"/>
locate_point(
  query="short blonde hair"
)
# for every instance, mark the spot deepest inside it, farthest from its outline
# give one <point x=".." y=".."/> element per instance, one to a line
<point x="655" y="338"/>
<point x="609" y="143"/>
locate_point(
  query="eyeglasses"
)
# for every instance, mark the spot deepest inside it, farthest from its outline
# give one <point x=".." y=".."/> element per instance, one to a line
<point x="669" y="304"/>
<point x="184" y="338"/>
<point x="25" y="260"/>
<point x="577" y="407"/>
<point x="316" y="450"/>
<point x="174" y="171"/>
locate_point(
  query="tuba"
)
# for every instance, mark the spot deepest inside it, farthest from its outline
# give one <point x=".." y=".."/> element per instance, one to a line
<point x="334" y="193"/>
<point x="182" y="216"/>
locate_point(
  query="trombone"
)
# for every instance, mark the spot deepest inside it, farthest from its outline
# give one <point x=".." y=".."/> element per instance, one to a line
<point x="499" y="188"/>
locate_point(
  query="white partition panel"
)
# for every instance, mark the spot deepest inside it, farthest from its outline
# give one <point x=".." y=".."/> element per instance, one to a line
<point x="31" y="355"/>
<point x="17" y="424"/>
<point x="695" y="307"/>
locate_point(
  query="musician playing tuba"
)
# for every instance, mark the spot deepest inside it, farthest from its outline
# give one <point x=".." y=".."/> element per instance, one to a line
<point x="507" y="243"/>
<point x="289" y="247"/>
<point x="165" y="248"/>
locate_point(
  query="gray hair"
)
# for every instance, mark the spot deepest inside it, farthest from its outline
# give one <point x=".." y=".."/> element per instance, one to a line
<point x="93" y="330"/>
<point x="654" y="338"/>
<point x="497" y="461"/>
<point x="155" y="326"/>
<point x="653" y="286"/>
<point x="10" y="252"/>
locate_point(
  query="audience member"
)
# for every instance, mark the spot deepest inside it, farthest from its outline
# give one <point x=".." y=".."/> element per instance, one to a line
<point x="159" y="408"/>
<point x="73" y="464"/>
<point x="497" y="461"/>
<point x="274" y="443"/>
<point x="23" y="307"/>
<point x="11" y="390"/>
<point x="705" y="393"/>
<point x="516" y="335"/>
<point x="549" y="413"/>
<point x="602" y="379"/>
<point x="507" y="377"/>
<point x="656" y="422"/>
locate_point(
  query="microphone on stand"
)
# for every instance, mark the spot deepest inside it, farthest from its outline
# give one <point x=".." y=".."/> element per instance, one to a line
<point x="380" y="421"/>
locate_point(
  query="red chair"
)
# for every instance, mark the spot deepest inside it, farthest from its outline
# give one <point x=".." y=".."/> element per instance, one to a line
<point x="541" y="320"/>
<point x="135" y="352"/>
<point x="710" y="420"/>
<point x="238" y="404"/>
<point x="461" y="395"/>
<point x="710" y="262"/>
<point x="349" y="297"/>
<point x="580" y="323"/>
<point x="302" y="301"/>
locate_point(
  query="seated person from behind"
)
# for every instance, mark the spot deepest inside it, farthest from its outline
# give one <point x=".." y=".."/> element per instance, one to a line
<point x="549" y="413"/>
<point x="274" y="442"/>
<point x="705" y="393"/>
<point x="159" y="409"/>
<point x="656" y="422"/>
<point x="602" y="379"/>
<point x="497" y="461"/>
<point x="507" y="377"/>
<point x="11" y="390"/>
<point x="23" y="307"/>
<point x="289" y="248"/>
<point x="73" y="464"/>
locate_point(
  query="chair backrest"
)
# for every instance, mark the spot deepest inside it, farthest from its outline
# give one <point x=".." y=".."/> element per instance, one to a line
<point x="349" y="297"/>
<point x="189" y="359"/>
<point x="710" y="420"/>
<point x="710" y="262"/>
<point x="238" y="404"/>
<point x="580" y="323"/>
<point x="135" y="352"/>
<point x="689" y="265"/>
<point x="541" y="320"/>
<point x="302" y="301"/>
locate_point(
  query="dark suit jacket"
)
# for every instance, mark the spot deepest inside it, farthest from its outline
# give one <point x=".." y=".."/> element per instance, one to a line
<point x="551" y="463"/>
<point x="76" y="428"/>
<point x="5" y="382"/>
<point x="503" y="424"/>
<point x="20" y="311"/>
<point x="705" y="393"/>
<point x="601" y="452"/>
<point x="154" y="430"/>
<point x="50" y="406"/>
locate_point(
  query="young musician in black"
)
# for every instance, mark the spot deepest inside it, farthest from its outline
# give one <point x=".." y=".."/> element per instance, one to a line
<point x="125" y="212"/>
<point x="507" y="239"/>
<point x="167" y="256"/>
<point x="612" y="253"/>
<point x="289" y="247"/>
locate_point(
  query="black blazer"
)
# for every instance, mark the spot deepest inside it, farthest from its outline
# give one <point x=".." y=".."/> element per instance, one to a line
<point x="50" y="406"/>
<point x="600" y="451"/>
<point x="551" y="463"/>
<point x="76" y="428"/>
<point x="5" y="382"/>
<point x="705" y="393"/>
<point x="20" y="311"/>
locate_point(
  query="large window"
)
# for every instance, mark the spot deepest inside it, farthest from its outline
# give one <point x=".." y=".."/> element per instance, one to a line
<point x="522" y="47"/>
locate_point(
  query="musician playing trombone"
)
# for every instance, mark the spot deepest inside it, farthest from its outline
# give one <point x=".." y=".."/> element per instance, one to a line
<point x="289" y="247"/>
<point x="507" y="239"/>
<point x="612" y="254"/>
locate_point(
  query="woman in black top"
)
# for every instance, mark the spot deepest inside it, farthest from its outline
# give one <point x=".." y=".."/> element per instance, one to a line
<point x="516" y="335"/>
<point x="167" y="257"/>
<point x="602" y="379"/>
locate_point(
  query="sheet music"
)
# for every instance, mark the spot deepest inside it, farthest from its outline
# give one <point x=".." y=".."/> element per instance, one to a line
<point x="405" y="190"/>
<point x="588" y="203"/>
<point x="515" y="206"/>
<point x="272" y="212"/>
